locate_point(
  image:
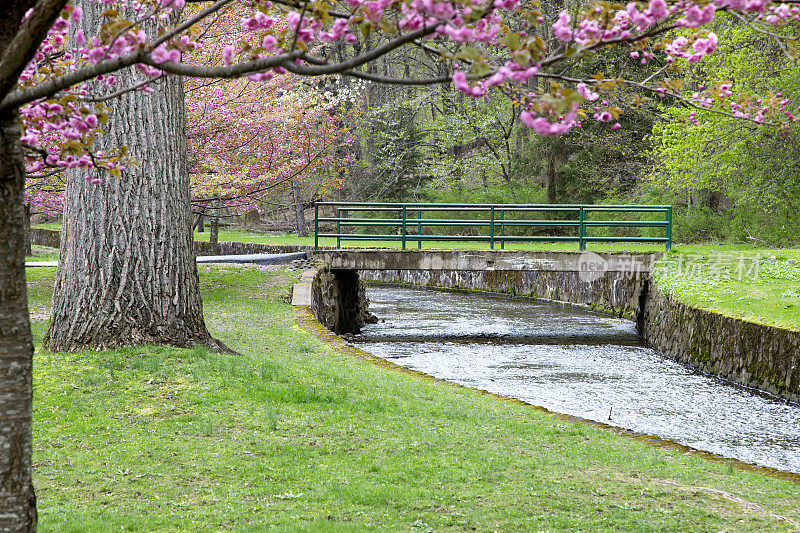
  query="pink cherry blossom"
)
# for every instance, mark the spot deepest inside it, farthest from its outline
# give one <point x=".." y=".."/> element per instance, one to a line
<point x="562" y="29"/>
<point x="587" y="93"/>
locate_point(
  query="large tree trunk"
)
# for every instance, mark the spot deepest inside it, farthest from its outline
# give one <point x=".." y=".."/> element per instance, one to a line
<point x="127" y="272"/>
<point x="17" y="499"/>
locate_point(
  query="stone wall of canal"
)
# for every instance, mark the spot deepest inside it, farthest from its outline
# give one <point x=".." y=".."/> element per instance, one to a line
<point x="338" y="300"/>
<point x="52" y="239"/>
<point x="753" y="355"/>
<point x="763" y="357"/>
<point x="617" y="293"/>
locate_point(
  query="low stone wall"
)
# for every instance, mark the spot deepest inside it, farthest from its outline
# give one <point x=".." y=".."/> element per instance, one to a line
<point x="754" y="355"/>
<point x="45" y="237"/>
<point x="51" y="238"/>
<point x="613" y="292"/>
<point x="244" y="248"/>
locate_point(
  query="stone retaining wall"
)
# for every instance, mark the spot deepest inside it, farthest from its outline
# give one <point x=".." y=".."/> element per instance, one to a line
<point x="613" y="292"/>
<point x="339" y="300"/>
<point x="51" y="238"/>
<point x="754" y="355"/>
<point x="45" y="237"/>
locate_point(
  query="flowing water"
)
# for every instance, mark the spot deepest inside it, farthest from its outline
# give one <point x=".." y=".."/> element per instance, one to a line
<point x="577" y="362"/>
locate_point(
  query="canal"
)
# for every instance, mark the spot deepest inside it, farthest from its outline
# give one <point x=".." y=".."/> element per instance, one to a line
<point x="577" y="362"/>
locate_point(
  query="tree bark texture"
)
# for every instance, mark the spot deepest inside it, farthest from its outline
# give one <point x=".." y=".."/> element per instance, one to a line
<point x="28" y="250"/>
<point x="213" y="235"/>
<point x="17" y="498"/>
<point x="127" y="272"/>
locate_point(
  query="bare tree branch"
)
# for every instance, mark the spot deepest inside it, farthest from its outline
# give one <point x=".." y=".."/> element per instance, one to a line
<point x="22" y="47"/>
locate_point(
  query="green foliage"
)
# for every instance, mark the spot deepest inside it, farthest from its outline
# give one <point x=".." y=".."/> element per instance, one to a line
<point x="511" y="193"/>
<point x="732" y="180"/>
<point x="471" y="141"/>
<point x="590" y="163"/>
<point x="395" y="154"/>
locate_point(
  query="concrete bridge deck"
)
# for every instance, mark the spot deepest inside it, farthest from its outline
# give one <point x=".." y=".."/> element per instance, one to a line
<point x="486" y="260"/>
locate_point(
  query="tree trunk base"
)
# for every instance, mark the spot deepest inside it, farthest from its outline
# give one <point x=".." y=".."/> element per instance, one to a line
<point x="180" y="340"/>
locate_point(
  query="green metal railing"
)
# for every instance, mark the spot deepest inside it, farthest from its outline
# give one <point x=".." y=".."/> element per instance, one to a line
<point x="496" y="219"/>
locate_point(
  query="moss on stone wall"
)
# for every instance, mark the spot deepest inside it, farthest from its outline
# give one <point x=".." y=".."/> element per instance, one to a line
<point x="750" y="354"/>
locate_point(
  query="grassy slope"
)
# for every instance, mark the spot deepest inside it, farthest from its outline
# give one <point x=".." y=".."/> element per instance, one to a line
<point x="295" y="435"/>
<point x="768" y="291"/>
<point x="42" y="253"/>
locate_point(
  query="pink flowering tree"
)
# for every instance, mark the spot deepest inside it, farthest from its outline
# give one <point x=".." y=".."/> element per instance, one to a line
<point x="249" y="139"/>
<point x="289" y="136"/>
<point x="59" y="72"/>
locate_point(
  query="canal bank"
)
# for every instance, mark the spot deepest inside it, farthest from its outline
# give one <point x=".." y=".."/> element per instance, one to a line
<point x="293" y="435"/>
<point x="758" y="355"/>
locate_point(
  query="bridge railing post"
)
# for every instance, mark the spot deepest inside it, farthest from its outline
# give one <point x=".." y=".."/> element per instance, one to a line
<point x="419" y="229"/>
<point x="582" y="229"/>
<point x="316" y="226"/>
<point x="502" y="229"/>
<point x="669" y="228"/>
<point x="491" y="227"/>
<point x="404" y="226"/>
<point x="338" y="227"/>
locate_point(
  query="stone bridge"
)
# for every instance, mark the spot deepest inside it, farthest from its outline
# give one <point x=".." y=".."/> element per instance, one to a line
<point x="611" y="282"/>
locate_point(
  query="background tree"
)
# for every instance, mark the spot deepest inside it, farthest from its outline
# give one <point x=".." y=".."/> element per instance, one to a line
<point x="250" y="141"/>
<point x="731" y="180"/>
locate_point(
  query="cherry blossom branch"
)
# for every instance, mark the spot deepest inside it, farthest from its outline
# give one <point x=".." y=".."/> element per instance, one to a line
<point x="323" y="67"/>
<point x="191" y="22"/>
<point x="298" y="26"/>
<point x="398" y="81"/>
<point x="22" y="47"/>
<point x="334" y="14"/>
<point x="55" y="85"/>
<point x="120" y="92"/>
<point x="125" y="30"/>
<point x="778" y="38"/>
<point x="683" y="100"/>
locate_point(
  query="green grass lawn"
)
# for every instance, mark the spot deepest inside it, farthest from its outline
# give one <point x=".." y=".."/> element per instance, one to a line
<point x="289" y="239"/>
<point x="42" y="253"/>
<point x="736" y="281"/>
<point x="297" y="435"/>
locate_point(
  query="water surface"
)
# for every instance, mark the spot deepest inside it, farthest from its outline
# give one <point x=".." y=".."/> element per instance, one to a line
<point x="577" y="362"/>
